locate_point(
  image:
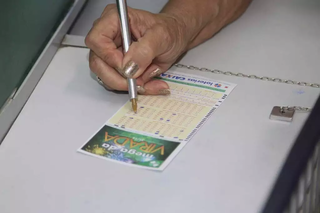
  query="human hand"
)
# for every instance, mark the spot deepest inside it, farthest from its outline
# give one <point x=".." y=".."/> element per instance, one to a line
<point x="158" y="41"/>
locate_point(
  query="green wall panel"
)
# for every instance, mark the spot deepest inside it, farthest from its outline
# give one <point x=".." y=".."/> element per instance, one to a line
<point x="25" y="28"/>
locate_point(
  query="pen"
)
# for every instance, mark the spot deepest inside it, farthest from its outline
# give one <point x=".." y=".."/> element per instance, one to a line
<point x="126" y="41"/>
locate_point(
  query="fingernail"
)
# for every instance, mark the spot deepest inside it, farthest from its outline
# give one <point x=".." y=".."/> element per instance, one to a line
<point x="130" y="69"/>
<point x="164" y="92"/>
<point x="140" y="90"/>
<point x="155" y="73"/>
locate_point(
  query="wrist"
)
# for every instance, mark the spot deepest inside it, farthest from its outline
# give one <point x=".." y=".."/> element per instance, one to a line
<point x="179" y="30"/>
<point x="192" y="16"/>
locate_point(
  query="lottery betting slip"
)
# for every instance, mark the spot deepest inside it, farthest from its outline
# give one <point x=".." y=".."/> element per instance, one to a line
<point x="163" y="125"/>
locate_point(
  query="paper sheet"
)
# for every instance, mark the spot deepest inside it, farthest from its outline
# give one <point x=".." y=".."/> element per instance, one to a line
<point x="163" y="124"/>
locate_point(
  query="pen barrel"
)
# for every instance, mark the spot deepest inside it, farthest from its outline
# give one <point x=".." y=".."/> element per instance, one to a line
<point x="126" y="42"/>
<point x="132" y="88"/>
<point x="124" y="24"/>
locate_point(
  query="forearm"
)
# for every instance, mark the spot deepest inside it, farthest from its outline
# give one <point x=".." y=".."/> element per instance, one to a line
<point x="201" y="19"/>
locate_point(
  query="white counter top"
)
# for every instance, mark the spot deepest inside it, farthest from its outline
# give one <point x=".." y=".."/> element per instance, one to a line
<point x="229" y="165"/>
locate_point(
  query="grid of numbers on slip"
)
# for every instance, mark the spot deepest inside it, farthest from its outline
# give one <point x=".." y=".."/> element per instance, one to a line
<point x="195" y="95"/>
<point x="174" y="116"/>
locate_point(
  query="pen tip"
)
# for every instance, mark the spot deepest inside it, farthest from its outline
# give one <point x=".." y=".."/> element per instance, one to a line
<point x="134" y="105"/>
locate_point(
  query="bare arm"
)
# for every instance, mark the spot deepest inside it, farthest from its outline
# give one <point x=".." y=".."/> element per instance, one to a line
<point x="204" y="18"/>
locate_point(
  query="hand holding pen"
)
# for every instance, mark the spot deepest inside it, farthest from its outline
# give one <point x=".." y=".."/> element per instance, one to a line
<point x="146" y="58"/>
<point x="159" y="40"/>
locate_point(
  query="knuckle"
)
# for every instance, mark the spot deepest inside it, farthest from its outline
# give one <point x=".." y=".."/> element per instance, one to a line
<point x="108" y="8"/>
<point x="89" y="40"/>
<point x="96" y="22"/>
<point x="146" y="51"/>
<point x="162" y="29"/>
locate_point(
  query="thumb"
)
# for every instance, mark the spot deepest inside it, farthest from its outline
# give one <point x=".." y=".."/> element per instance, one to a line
<point x="141" y="53"/>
